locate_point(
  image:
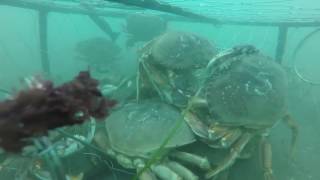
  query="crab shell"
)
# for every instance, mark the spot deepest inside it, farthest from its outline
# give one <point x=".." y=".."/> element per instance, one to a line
<point x="97" y="50"/>
<point x="137" y="130"/>
<point x="181" y="50"/>
<point x="247" y="90"/>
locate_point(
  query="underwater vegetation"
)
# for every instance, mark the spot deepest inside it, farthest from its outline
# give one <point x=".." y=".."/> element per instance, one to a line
<point x="44" y="107"/>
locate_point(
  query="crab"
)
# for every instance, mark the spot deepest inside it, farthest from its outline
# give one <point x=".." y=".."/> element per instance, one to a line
<point x="143" y="27"/>
<point x="137" y="130"/>
<point x="98" y="52"/>
<point x="172" y="64"/>
<point x="242" y="98"/>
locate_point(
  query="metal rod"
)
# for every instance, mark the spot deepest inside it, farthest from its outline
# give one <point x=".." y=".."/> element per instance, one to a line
<point x="77" y="9"/>
<point x="101" y="23"/>
<point x="43" y="37"/>
<point x="104" y="26"/>
<point x="156" y="5"/>
<point x="281" y="43"/>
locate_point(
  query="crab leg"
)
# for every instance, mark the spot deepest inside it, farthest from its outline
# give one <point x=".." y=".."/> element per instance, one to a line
<point x="165" y="173"/>
<point x="100" y="140"/>
<point x="224" y="175"/>
<point x="230" y="159"/>
<point x="266" y="159"/>
<point x="295" y="132"/>
<point x="184" y="172"/>
<point x="146" y="174"/>
<point x="201" y="162"/>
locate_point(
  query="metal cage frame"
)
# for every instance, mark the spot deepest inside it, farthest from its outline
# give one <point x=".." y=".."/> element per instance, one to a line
<point x="96" y="11"/>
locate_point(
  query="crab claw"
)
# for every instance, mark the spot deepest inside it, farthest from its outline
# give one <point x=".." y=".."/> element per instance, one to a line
<point x="226" y="135"/>
<point x="230" y="159"/>
<point x="197" y="126"/>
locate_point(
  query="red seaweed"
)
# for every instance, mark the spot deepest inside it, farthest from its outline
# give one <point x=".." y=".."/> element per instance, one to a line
<point x="34" y="111"/>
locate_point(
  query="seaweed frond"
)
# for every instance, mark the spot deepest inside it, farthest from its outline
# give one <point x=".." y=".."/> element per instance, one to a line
<point x="43" y="107"/>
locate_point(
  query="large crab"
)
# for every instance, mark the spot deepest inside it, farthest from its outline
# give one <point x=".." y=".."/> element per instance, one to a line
<point x="242" y="98"/>
<point x="171" y="65"/>
<point x="137" y="130"/>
